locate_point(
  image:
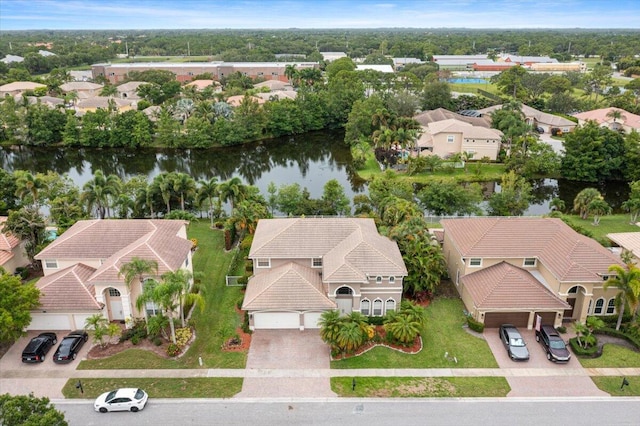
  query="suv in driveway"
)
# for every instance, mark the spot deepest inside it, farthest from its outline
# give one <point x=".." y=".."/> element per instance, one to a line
<point x="37" y="348"/>
<point x="553" y="344"/>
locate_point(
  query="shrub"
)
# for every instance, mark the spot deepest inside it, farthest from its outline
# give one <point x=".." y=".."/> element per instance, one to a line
<point x="135" y="339"/>
<point x="157" y="341"/>
<point x="590" y="352"/>
<point x="173" y="349"/>
<point x="245" y="323"/>
<point x="243" y="280"/>
<point x="245" y="245"/>
<point x="611" y="320"/>
<point x="627" y="334"/>
<point x="562" y="329"/>
<point x="376" y="320"/>
<point x="139" y="330"/>
<point x="476" y="326"/>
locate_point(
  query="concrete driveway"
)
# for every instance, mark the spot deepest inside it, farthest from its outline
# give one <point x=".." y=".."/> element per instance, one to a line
<point x="14" y="374"/>
<point x="287" y="350"/>
<point x="571" y="378"/>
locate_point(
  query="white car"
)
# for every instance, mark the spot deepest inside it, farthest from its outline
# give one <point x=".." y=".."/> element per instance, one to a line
<point x="125" y="399"/>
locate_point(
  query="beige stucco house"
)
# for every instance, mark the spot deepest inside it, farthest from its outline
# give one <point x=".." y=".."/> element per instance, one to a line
<point x="510" y="269"/>
<point x="81" y="269"/>
<point x="452" y="136"/>
<point x="535" y="118"/>
<point x="627" y="122"/>
<point x="12" y="250"/>
<point x="305" y="266"/>
<point x="18" y="87"/>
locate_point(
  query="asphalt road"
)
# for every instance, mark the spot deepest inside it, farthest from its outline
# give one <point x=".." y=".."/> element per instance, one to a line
<point x="333" y="411"/>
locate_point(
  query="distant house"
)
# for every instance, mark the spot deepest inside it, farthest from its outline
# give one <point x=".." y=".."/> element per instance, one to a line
<point x="45" y="53"/>
<point x="629" y="241"/>
<point x="81" y="270"/>
<point x="627" y="122"/>
<point x="535" y="118"/>
<point x="273" y="85"/>
<point x="526" y="60"/>
<point x="19" y="87"/>
<point x="102" y="102"/>
<point x="84" y="89"/>
<point x="11" y="59"/>
<point x="306" y="266"/>
<point x="452" y="136"/>
<point x="129" y="90"/>
<point x="332" y="56"/>
<point x="50" y="101"/>
<point x="12" y="250"/>
<point x="279" y="95"/>
<point x="400" y="63"/>
<point x="511" y="269"/>
<point x="200" y="85"/>
<point x="236" y="100"/>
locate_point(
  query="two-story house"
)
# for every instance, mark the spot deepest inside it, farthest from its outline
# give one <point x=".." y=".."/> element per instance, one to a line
<point x="510" y="269"/>
<point x="305" y="266"/>
<point x="12" y="250"/>
<point x="82" y="269"/>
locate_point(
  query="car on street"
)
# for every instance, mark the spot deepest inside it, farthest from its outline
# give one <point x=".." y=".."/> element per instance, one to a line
<point x="70" y="346"/>
<point x="553" y="344"/>
<point x="514" y="343"/>
<point x="37" y="348"/>
<point x="125" y="399"/>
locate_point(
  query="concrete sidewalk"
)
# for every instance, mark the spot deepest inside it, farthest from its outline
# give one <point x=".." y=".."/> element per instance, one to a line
<point x="362" y="372"/>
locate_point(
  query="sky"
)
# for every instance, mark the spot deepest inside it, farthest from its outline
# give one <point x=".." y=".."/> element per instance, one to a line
<point x="274" y="14"/>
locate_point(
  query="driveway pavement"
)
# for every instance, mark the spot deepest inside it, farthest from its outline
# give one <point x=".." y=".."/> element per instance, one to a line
<point x="49" y="387"/>
<point x="557" y="145"/>
<point x="292" y="350"/>
<point x="572" y="379"/>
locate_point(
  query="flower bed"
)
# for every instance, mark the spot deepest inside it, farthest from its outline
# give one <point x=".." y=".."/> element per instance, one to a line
<point x="380" y="340"/>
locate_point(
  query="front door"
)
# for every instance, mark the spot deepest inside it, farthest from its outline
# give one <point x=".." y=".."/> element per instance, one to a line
<point x="344" y="305"/>
<point x="116" y="310"/>
<point x="568" y="313"/>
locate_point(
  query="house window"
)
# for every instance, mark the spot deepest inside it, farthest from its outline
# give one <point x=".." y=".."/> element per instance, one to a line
<point x="390" y="306"/>
<point x="151" y="307"/>
<point x="260" y="74"/>
<point x="378" y="279"/>
<point x="51" y="264"/>
<point x="573" y="290"/>
<point x="316" y="262"/>
<point x="377" y="308"/>
<point x="264" y="263"/>
<point x="365" y="307"/>
<point x="611" y="307"/>
<point x="113" y="292"/>
<point x="392" y="280"/>
<point x="475" y="262"/>
<point x="450" y="138"/>
<point x="186" y="261"/>
<point x="599" y="307"/>
<point x="529" y="261"/>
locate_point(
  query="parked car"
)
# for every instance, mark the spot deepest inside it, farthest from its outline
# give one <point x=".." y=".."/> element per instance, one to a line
<point x="70" y="346"/>
<point x="37" y="348"/>
<point x="514" y="343"/>
<point x="556" y="131"/>
<point x="539" y="129"/>
<point x="553" y="344"/>
<point x="125" y="399"/>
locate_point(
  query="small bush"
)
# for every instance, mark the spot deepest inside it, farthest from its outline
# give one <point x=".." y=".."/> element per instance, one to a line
<point x="243" y="280"/>
<point x="376" y="320"/>
<point x="590" y="352"/>
<point x="476" y="326"/>
<point x="157" y="341"/>
<point x="173" y="349"/>
<point x="183" y="335"/>
<point x="245" y="323"/>
<point x="135" y="339"/>
<point x="562" y="329"/>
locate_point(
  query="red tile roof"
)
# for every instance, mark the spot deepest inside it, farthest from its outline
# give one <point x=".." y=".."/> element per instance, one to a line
<point x="66" y="290"/>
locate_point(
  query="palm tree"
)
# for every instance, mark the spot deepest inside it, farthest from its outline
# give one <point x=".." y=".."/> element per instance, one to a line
<point x="598" y="208"/>
<point x="616" y="115"/>
<point x="185" y="185"/>
<point x="98" y="192"/>
<point x="247" y="214"/>
<point x="208" y="190"/>
<point x="628" y="282"/>
<point x="582" y="200"/>
<point x="291" y="73"/>
<point x="166" y="294"/>
<point x="232" y="191"/>
<point x="137" y="268"/>
<point x="184" y="278"/>
<point x="557" y="204"/>
<point x="404" y="328"/>
<point x="163" y="184"/>
<point x="330" y="323"/>
<point x="109" y="90"/>
<point x="28" y="185"/>
<point x="350" y="337"/>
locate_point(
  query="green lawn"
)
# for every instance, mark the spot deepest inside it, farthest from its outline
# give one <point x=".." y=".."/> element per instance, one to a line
<point x="218" y="318"/>
<point x="473" y="88"/>
<point x="476" y="172"/>
<point x="412" y="387"/>
<point x="192" y="387"/>
<point x="613" y="385"/>
<point x="613" y="356"/>
<point x="444" y="333"/>
<point x="608" y="224"/>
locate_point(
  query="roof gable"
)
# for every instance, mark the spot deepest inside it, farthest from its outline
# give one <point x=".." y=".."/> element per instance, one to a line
<point x="67" y="289"/>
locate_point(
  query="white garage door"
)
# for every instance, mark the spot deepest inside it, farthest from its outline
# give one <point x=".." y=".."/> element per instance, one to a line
<point x="271" y="320"/>
<point x="311" y="319"/>
<point x="42" y="321"/>
<point x="80" y="320"/>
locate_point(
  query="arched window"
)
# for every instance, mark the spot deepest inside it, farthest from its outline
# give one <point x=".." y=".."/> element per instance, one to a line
<point x="390" y="305"/>
<point x="378" y="279"/>
<point x="573" y="289"/>
<point x="344" y="290"/>
<point x="611" y="307"/>
<point x="365" y="307"/>
<point x="113" y="292"/>
<point x="599" y="306"/>
<point x="151" y="307"/>
<point x="377" y="308"/>
<point x="392" y="280"/>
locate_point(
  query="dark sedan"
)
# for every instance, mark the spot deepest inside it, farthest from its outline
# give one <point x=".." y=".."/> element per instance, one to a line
<point x="38" y="347"/>
<point x="70" y="346"/>
<point x="514" y="343"/>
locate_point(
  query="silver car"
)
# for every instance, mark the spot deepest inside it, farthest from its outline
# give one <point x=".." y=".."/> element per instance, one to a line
<point x="514" y="343"/>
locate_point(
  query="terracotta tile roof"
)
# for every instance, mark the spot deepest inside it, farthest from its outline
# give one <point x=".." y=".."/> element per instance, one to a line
<point x="102" y="102"/>
<point x="504" y="286"/>
<point x="351" y="248"/>
<point x="600" y="116"/>
<point x="21" y="85"/>
<point x="118" y="241"/>
<point x="571" y="257"/>
<point x="442" y="114"/>
<point x="290" y="286"/>
<point x="67" y="289"/>
<point x="8" y="241"/>
<point x="80" y="85"/>
<point x="237" y="100"/>
<point x="273" y="85"/>
<point x="539" y="116"/>
<point x="468" y="131"/>
<point x="627" y="240"/>
<point x="130" y="86"/>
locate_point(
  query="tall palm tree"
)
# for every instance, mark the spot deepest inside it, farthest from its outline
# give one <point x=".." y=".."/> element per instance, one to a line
<point x="98" y="192"/>
<point x="29" y="185"/>
<point x="137" y="268"/>
<point x="208" y="190"/>
<point x="616" y="115"/>
<point x="232" y="191"/>
<point x="184" y="185"/>
<point x="628" y="282"/>
<point x="184" y="278"/>
<point x="163" y="185"/>
<point x="166" y="295"/>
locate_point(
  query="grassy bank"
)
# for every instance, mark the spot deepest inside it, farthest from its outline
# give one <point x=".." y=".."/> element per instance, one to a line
<point x="420" y="387"/>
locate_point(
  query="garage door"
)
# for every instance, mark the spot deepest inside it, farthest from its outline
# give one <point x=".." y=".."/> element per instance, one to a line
<point x="80" y="320"/>
<point x="49" y="322"/>
<point x="548" y="318"/>
<point x="311" y="319"/>
<point x="495" y="319"/>
<point x="275" y="320"/>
